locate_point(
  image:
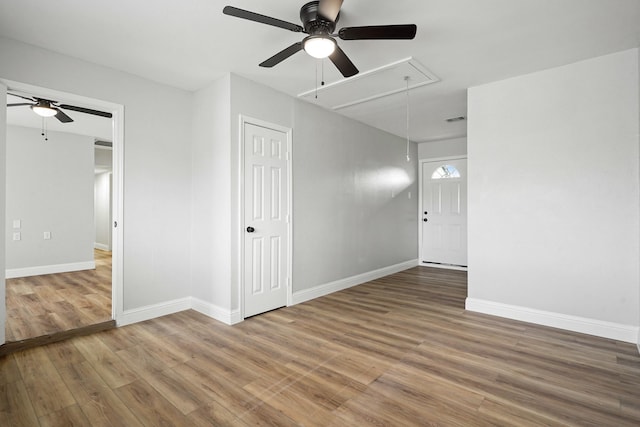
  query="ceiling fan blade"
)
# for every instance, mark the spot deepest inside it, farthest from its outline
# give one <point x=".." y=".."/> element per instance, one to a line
<point x="86" y="110"/>
<point x="282" y="55"/>
<point x="21" y="96"/>
<point x="343" y="63"/>
<point x="17" y="105"/>
<point x="379" y="32"/>
<point x="330" y="9"/>
<point x="263" y="19"/>
<point x="60" y="115"/>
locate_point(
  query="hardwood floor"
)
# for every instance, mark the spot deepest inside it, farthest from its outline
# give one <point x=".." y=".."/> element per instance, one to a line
<point x="399" y="351"/>
<point x="44" y="305"/>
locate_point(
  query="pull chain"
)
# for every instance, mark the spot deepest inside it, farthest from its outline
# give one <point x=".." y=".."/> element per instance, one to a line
<point x="408" y="156"/>
<point x="44" y="132"/>
<point x="321" y="74"/>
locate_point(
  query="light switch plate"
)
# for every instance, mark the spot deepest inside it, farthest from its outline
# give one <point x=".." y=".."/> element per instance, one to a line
<point x="16" y="223"/>
<point x="47" y="235"/>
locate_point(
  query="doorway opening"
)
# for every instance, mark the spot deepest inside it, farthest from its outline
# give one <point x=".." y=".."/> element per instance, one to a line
<point x="443" y="213"/>
<point x="64" y="195"/>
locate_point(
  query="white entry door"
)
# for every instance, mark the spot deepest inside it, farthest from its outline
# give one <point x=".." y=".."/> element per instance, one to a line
<point x="266" y="219"/>
<point x="444" y="212"/>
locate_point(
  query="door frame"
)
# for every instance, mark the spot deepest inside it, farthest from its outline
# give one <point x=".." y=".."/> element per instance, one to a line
<point x="420" y="191"/>
<point x="243" y="120"/>
<point x="117" y="211"/>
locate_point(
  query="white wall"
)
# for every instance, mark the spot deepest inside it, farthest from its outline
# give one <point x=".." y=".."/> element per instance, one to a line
<point x="351" y="211"/>
<point x="442" y="148"/>
<point x="553" y="197"/>
<point x="211" y="196"/>
<point x="102" y="211"/>
<point x="181" y="179"/>
<point x="351" y="206"/>
<point x="49" y="188"/>
<point x="103" y="158"/>
<point x="254" y="100"/>
<point x="157" y="165"/>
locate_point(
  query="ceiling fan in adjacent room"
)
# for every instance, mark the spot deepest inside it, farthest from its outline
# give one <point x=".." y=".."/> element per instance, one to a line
<point x="47" y="108"/>
<point x="319" y="19"/>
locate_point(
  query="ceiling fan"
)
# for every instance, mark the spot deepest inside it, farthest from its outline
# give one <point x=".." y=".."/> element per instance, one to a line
<point x="47" y="108"/>
<point x="319" y="19"/>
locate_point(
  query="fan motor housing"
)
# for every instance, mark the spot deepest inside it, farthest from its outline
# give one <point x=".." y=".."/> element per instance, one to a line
<point x="313" y="22"/>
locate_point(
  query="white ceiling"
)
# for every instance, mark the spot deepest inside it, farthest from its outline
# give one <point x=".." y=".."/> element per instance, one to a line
<point x="189" y="43"/>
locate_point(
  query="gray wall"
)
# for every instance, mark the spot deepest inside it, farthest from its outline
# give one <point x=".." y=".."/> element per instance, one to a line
<point x="211" y="195"/>
<point x="553" y="193"/>
<point x="442" y="148"/>
<point x="175" y="153"/>
<point x="351" y="211"/>
<point x="49" y="188"/>
<point x="259" y="102"/>
<point x="102" y="210"/>
<point x="157" y="165"/>
<point x="103" y="158"/>
<point x="351" y="206"/>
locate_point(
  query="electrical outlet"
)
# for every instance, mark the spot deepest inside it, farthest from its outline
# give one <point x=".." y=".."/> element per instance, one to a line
<point x="16" y="236"/>
<point x="47" y="235"/>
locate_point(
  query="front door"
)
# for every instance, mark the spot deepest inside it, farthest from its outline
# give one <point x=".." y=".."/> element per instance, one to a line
<point x="444" y="212"/>
<point x="266" y="217"/>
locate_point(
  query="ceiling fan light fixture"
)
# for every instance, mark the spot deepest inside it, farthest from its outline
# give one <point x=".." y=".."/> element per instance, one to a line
<point x="44" y="109"/>
<point x="319" y="46"/>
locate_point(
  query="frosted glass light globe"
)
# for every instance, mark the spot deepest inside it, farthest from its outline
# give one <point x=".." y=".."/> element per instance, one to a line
<point x="319" y="47"/>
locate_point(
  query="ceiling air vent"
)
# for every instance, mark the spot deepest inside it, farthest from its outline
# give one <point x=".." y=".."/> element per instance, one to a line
<point x="369" y="85"/>
<point x="100" y="143"/>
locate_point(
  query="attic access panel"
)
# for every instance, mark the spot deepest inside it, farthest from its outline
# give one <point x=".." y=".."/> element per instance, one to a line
<point x="369" y="85"/>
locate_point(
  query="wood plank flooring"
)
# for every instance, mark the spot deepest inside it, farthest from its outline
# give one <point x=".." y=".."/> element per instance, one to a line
<point x="398" y="351"/>
<point x="48" y="304"/>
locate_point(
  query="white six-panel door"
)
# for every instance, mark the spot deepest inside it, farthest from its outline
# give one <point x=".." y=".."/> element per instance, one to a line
<point x="266" y="211"/>
<point x="444" y="212"/>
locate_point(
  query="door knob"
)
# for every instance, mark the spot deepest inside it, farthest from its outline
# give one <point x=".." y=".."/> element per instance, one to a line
<point x="425" y="220"/>
<point x="250" y="229"/>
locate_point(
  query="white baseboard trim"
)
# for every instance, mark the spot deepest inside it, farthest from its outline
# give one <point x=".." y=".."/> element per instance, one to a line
<point x="338" y="285"/>
<point x="600" y="328"/>
<point x="101" y="246"/>
<point x="12" y="273"/>
<point x="230" y="317"/>
<point x="152" y="311"/>
<point x="128" y="317"/>
<point x="235" y="317"/>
